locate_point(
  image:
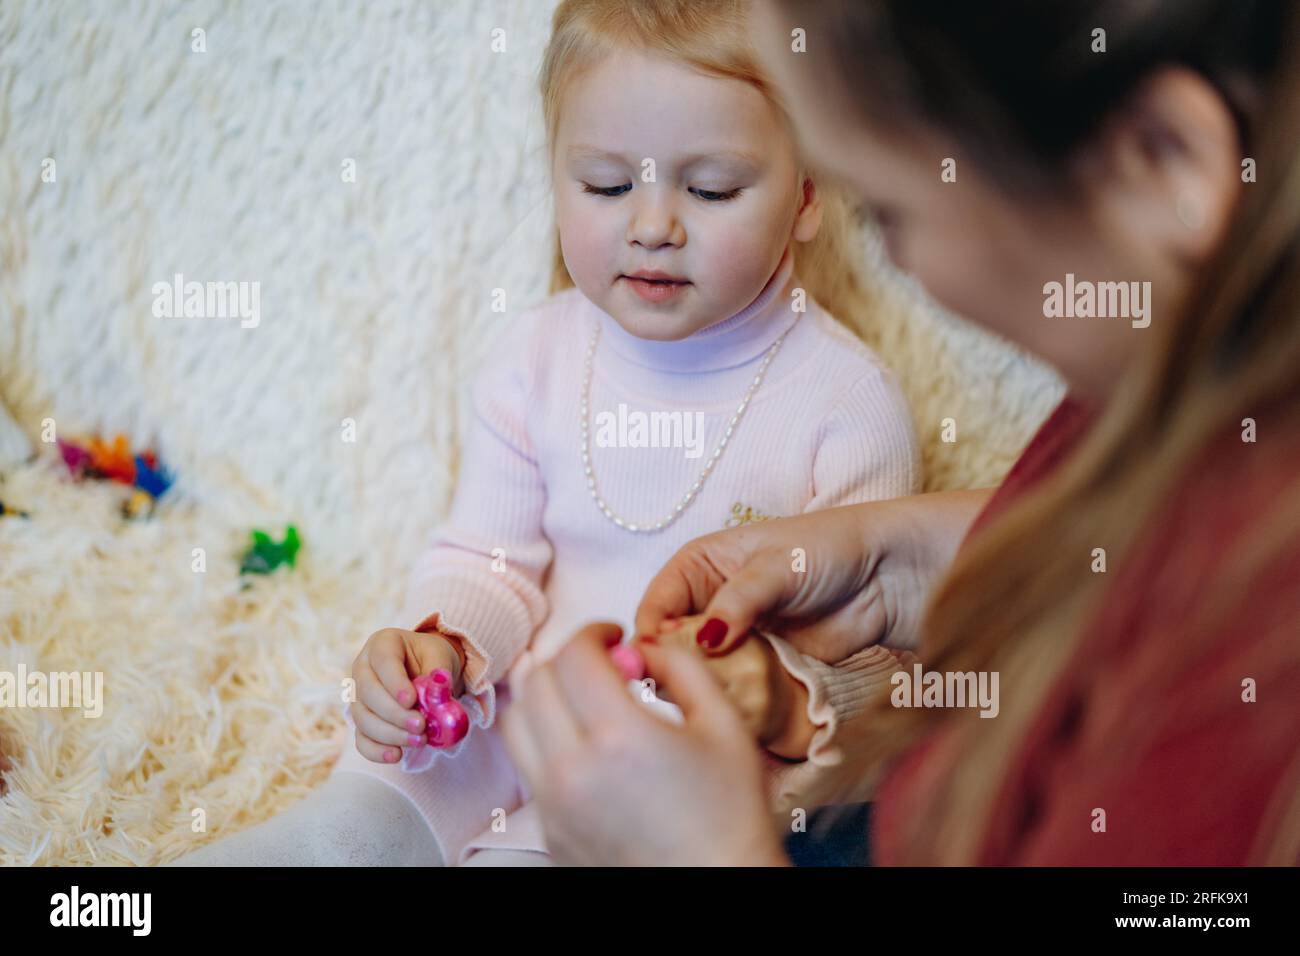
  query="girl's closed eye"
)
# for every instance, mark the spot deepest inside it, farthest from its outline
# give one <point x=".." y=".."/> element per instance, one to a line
<point x="606" y="191"/>
<point x="718" y="195"/>
<point x="708" y="195"/>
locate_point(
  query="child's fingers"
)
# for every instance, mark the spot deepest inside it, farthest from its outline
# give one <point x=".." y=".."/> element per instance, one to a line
<point x="376" y="697"/>
<point x="381" y="731"/>
<point x="694" y="689"/>
<point x="376" y="751"/>
<point x="388" y="660"/>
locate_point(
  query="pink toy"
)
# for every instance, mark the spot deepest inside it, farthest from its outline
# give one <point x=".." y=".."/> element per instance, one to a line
<point x="75" y="457"/>
<point x="628" y="660"/>
<point x="446" y="722"/>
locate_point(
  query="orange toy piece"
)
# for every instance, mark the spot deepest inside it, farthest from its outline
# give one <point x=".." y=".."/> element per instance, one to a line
<point x="115" y="461"/>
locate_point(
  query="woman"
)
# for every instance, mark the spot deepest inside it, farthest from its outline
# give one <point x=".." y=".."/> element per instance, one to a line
<point x="1135" y="582"/>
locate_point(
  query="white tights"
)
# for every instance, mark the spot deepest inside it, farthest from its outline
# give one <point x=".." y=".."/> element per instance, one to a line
<point x="353" y="819"/>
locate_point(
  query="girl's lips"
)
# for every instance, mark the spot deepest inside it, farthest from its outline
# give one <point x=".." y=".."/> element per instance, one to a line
<point x="655" y="291"/>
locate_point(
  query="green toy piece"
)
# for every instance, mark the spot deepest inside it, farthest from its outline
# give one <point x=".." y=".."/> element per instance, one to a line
<point x="265" y="555"/>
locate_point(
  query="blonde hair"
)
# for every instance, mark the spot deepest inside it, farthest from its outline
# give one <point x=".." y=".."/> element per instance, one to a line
<point x="712" y="37"/>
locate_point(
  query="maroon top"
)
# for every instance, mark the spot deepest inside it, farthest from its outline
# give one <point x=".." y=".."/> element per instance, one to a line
<point x="1144" y="723"/>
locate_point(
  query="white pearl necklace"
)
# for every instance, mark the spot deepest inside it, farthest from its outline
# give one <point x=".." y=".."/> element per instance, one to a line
<point x="642" y="527"/>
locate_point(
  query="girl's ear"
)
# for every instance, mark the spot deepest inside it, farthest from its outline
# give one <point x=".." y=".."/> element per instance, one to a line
<point x="808" y="219"/>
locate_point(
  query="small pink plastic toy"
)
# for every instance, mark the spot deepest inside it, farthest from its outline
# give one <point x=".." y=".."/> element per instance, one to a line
<point x="446" y="722"/>
<point x="628" y="660"/>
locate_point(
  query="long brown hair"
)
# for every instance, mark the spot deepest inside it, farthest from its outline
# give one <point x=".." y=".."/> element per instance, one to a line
<point x="1021" y="91"/>
<point x="714" y="38"/>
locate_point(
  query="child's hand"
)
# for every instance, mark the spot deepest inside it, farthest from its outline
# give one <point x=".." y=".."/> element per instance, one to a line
<point x="384" y="710"/>
<point x="770" y="701"/>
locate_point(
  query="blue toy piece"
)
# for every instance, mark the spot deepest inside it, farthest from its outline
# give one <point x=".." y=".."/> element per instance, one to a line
<point x="145" y="474"/>
<point x="151" y="478"/>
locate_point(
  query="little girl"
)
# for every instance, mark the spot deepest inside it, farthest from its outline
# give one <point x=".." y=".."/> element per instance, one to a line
<point x="685" y="377"/>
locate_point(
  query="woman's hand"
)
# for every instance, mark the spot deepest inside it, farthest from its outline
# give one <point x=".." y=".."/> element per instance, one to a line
<point x="617" y="785"/>
<point x="771" y="702"/>
<point x="830" y="582"/>
<point x="384" y="711"/>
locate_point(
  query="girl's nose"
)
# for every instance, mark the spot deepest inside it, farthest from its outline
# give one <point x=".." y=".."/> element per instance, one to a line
<point x="655" y="224"/>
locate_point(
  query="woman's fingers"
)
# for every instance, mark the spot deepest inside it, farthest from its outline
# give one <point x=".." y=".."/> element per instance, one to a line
<point x="734" y="577"/>
<point x="554" y="727"/>
<point x="591" y="682"/>
<point x="682" y="585"/>
<point x="760" y="585"/>
<point x="523" y="749"/>
<point x="577" y="690"/>
<point x="667" y="596"/>
<point x="641" y="790"/>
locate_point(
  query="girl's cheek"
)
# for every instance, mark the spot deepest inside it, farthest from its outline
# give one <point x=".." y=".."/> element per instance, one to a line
<point x="589" y="243"/>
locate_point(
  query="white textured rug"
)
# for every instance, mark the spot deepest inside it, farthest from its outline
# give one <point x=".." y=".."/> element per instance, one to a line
<point x="223" y="705"/>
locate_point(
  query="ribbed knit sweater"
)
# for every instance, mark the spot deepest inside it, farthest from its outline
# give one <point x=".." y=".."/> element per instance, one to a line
<point x="526" y="555"/>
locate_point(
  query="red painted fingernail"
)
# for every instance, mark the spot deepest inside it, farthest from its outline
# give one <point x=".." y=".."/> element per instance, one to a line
<point x="414" y="740"/>
<point x="391" y="756"/>
<point x="712" y="633"/>
<point x="413" y="725"/>
<point x="404" y="698"/>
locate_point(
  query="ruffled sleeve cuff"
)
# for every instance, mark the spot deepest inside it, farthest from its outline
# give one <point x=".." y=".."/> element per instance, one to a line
<point x="837" y="694"/>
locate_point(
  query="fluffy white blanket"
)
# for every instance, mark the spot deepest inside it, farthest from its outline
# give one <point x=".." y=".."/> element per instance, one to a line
<point x="222" y="705"/>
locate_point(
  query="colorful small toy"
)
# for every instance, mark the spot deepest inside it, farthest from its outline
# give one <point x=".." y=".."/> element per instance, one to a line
<point x="265" y="555"/>
<point x="13" y="512"/>
<point x="139" y="505"/>
<point x="75" y="457"/>
<point x="628" y="660"/>
<point x="114" y="461"/>
<point x="446" y="722"/>
<point x="150" y="477"/>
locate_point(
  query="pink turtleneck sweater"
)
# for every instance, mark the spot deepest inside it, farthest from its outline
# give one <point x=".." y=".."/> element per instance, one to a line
<point x="526" y="556"/>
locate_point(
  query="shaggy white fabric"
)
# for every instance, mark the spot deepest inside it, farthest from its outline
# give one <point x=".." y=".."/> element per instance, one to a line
<point x="223" y="705"/>
<point x="14" y="446"/>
